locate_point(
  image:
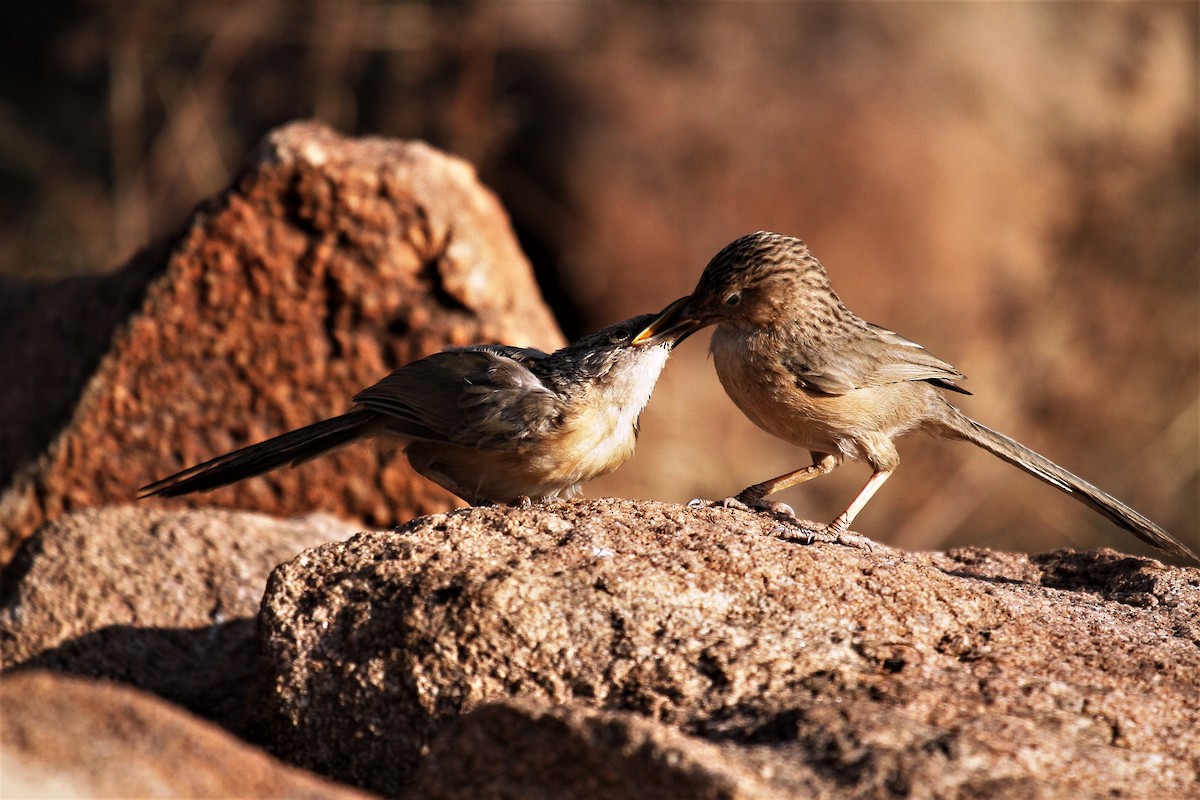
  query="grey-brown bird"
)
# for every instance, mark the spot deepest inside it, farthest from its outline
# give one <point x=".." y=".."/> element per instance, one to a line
<point x="806" y="369"/>
<point x="490" y="423"/>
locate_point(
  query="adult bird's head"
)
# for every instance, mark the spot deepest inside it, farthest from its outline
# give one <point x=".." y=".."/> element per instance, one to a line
<point x="753" y="281"/>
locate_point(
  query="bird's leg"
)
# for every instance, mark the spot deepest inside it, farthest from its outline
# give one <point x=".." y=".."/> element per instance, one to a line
<point x="753" y="497"/>
<point x="823" y="464"/>
<point x="880" y="453"/>
<point x="842" y="524"/>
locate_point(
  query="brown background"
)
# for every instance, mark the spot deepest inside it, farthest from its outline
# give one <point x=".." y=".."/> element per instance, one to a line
<point x="1015" y="185"/>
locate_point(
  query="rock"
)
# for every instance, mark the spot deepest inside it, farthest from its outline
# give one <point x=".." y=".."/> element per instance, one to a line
<point x="819" y="670"/>
<point x="164" y="600"/>
<point x="68" y="737"/>
<point x="330" y="262"/>
<point x="54" y="335"/>
<point x="522" y="749"/>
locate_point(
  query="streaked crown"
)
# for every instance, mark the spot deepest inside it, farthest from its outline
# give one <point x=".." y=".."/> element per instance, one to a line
<point x="757" y="257"/>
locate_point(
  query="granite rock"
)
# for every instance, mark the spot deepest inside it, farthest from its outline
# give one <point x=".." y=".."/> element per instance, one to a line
<point x="68" y="737"/>
<point x="330" y="262"/>
<point x="805" y="669"/>
<point x="165" y="600"/>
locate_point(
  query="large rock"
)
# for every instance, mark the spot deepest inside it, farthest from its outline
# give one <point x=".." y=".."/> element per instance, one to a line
<point x="825" y="670"/>
<point x="330" y="262"/>
<point x="54" y="335"/>
<point x="522" y="749"/>
<point x="67" y="737"/>
<point x="164" y="600"/>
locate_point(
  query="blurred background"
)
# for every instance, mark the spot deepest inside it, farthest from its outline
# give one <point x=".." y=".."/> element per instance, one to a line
<point x="1014" y="185"/>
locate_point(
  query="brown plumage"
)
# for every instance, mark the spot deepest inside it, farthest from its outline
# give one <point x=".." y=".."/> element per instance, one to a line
<point x="490" y="423"/>
<point x="804" y="368"/>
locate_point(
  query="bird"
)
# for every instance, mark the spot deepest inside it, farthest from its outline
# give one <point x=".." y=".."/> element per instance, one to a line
<point x="492" y="424"/>
<point x="804" y="368"/>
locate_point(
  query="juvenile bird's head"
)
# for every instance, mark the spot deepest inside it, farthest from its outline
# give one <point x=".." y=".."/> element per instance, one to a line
<point x="608" y="363"/>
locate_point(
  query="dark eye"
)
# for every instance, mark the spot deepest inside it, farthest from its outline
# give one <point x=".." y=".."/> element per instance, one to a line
<point x="733" y="299"/>
<point x="618" y="336"/>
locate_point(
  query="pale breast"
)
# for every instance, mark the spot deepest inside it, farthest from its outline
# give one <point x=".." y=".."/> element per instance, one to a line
<point x="587" y="445"/>
<point x="596" y="440"/>
<point x="596" y="433"/>
<point x="600" y="432"/>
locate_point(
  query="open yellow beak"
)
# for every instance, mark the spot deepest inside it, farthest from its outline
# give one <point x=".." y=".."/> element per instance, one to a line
<point x="673" y="324"/>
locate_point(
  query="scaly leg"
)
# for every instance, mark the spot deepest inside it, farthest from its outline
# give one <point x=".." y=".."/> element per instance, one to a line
<point x="842" y="524"/>
<point x="754" y="496"/>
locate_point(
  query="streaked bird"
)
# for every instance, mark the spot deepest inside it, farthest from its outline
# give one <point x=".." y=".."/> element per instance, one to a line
<point x="806" y="369"/>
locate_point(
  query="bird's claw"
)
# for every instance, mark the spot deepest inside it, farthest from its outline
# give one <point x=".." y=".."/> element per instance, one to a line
<point x="733" y="502"/>
<point x="801" y="533"/>
<point x="809" y="533"/>
<point x="847" y="539"/>
<point x="827" y="534"/>
<point x="744" y="502"/>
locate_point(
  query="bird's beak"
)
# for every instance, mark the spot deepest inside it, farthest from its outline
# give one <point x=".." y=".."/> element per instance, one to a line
<point x="674" y="324"/>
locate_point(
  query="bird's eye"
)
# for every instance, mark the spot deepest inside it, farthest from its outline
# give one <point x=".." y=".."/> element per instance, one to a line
<point x="618" y="336"/>
<point x="733" y="299"/>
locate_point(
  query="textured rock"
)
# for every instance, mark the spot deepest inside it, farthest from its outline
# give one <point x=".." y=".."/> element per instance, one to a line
<point x="330" y="262"/>
<point x="165" y="600"/>
<point x="68" y="737"/>
<point x="823" y="669"/>
<point x="54" y="335"/>
<point x="520" y="749"/>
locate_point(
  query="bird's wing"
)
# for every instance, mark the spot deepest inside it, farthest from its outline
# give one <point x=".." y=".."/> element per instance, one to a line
<point x="522" y="355"/>
<point x="483" y="396"/>
<point x="867" y="356"/>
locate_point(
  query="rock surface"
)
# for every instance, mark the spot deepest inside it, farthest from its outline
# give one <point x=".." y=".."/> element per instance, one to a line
<point x="164" y="600"/>
<point x="521" y="749"/>
<point x="69" y="737"/>
<point x="715" y="638"/>
<point x="330" y="262"/>
<point x="54" y="336"/>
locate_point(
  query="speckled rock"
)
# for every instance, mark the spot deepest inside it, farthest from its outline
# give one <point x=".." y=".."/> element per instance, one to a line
<point x="817" y="670"/>
<point x="65" y="737"/>
<point x="522" y="749"/>
<point x="329" y="262"/>
<point x="164" y="600"/>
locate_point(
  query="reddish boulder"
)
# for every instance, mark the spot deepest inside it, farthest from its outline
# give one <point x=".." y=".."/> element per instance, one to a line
<point x="329" y="262"/>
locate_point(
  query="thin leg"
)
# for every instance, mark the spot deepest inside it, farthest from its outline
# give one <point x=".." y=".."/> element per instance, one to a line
<point x="823" y="464"/>
<point x="842" y="523"/>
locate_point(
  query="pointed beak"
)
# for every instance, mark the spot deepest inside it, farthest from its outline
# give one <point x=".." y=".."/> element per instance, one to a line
<point x="673" y="324"/>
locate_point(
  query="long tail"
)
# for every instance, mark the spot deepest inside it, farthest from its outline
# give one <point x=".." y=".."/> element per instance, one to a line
<point x="1044" y="469"/>
<point x="292" y="448"/>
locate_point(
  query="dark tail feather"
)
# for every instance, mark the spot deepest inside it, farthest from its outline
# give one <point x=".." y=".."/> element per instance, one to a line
<point x="292" y="448"/>
<point x="1046" y="470"/>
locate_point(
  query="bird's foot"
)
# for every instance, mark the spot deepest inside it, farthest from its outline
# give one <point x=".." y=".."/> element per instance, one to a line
<point x="847" y="539"/>
<point x="733" y="502"/>
<point x="755" y="502"/>
<point x="834" y="533"/>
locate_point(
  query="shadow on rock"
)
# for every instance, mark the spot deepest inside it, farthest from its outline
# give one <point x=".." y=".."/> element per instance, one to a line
<point x="213" y="672"/>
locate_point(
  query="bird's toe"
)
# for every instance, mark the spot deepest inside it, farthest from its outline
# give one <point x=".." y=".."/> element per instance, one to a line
<point x="754" y="502"/>
<point x="735" y="502"/>
<point x="833" y="535"/>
